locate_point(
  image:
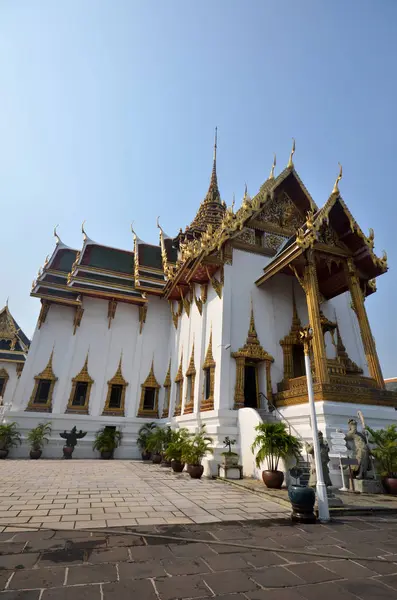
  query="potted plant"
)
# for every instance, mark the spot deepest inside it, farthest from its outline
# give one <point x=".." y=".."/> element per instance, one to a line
<point x="143" y="435"/>
<point x="194" y="450"/>
<point x="37" y="437"/>
<point x="385" y="455"/>
<point x="9" y="438"/>
<point x="154" y="444"/>
<point x="230" y="459"/>
<point x="175" y="449"/>
<point x="273" y="442"/>
<point x="166" y="439"/>
<point x="106" y="441"/>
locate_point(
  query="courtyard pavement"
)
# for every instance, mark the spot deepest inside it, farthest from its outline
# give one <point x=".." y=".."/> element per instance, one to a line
<point x="350" y="559"/>
<point x="79" y="494"/>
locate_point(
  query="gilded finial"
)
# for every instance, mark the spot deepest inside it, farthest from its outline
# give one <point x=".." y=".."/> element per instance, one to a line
<point x="245" y="191"/>
<point x="215" y="143"/>
<point x="290" y="163"/>
<point x="132" y="229"/>
<point x="233" y="201"/>
<point x="157" y="223"/>
<point x="7" y="301"/>
<point x="271" y="176"/>
<point x="56" y="236"/>
<point x="85" y="236"/>
<point x="336" y="186"/>
<point x="47" y="258"/>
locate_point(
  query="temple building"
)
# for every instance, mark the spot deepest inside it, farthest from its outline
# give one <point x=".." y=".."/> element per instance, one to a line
<point x="14" y="346"/>
<point x="208" y="322"/>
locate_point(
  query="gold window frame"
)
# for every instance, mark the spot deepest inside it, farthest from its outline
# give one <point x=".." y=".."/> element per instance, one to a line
<point x="209" y="363"/>
<point x="167" y="393"/>
<point x="179" y="386"/>
<point x="191" y="379"/>
<point x="149" y="383"/>
<point x="82" y="377"/>
<point x="47" y="375"/>
<point x="117" y="379"/>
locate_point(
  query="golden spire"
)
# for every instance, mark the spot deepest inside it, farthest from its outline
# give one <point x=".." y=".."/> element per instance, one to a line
<point x="296" y="322"/>
<point x="85" y="236"/>
<point x="336" y="186"/>
<point x="213" y="191"/>
<point x="290" y="163"/>
<point x="252" y="337"/>
<point x="56" y="236"/>
<point x="167" y="380"/>
<point x="271" y="176"/>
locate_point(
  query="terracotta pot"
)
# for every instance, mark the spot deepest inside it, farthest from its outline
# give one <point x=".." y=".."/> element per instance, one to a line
<point x="177" y="466"/>
<point x="67" y="452"/>
<point x="35" y="454"/>
<point x="156" y="459"/>
<point x="273" y="479"/>
<point x="302" y="499"/>
<point x="390" y="484"/>
<point x="3" y="453"/>
<point x="146" y="455"/>
<point x="195" y="471"/>
<point x="107" y="454"/>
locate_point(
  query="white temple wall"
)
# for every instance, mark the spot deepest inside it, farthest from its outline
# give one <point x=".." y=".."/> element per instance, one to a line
<point x="214" y="323"/>
<point x="12" y="381"/>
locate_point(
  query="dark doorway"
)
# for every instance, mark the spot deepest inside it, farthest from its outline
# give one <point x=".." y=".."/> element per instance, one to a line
<point x="250" y="386"/>
<point x="298" y="360"/>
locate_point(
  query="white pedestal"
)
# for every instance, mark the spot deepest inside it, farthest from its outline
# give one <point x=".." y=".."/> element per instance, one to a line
<point x="234" y="472"/>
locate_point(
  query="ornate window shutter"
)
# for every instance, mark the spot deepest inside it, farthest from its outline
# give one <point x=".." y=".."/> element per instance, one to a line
<point x="45" y="376"/>
<point x="4" y="377"/>
<point x="191" y="378"/>
<point x="117" y="380"/>
<point x="149" y="384"/>
<point x="82" y="377"/>
<point x="207" y="403"/>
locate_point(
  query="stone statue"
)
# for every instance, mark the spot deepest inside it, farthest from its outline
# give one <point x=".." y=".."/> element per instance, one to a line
<point x="324" y="456"/>
<point x="71" y="438"/>
<point x="357" y="442"/>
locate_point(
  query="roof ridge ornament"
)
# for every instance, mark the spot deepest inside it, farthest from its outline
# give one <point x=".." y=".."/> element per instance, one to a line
<point x="85" y="236"/>
<point x="271" y="176"/>
<point x="56" y="236"/>
<point x="336" y="185"/>
<point x="290" y="162"/>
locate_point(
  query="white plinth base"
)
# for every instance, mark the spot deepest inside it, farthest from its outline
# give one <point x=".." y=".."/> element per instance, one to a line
<point x="235" y="472"/>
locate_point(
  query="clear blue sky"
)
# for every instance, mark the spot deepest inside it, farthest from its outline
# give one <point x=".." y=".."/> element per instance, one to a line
<point x="107" y="112"/>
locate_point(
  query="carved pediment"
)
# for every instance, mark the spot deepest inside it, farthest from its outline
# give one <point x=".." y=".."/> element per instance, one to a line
<point x="326" y="235"/>
<point x="281" y="212"/>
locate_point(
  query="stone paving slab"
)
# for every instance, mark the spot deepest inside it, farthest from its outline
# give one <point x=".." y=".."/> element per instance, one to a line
<point x="348" y="502"/>
<point x="287" y="564"/>
<point x="81" y="494"/>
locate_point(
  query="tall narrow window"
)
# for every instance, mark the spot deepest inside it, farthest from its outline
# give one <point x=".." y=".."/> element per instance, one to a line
<point x="148" y="406"/>
<point x="207" y="402"/>
<point x="167" y="392"/>
<point x="207" y="383"/>
<point x="179" y="387"/>
<point x="190" y="382"/>
<point x="80" y="393"/>
<point x="41" y="398"/>
<point x="115" y="398"/>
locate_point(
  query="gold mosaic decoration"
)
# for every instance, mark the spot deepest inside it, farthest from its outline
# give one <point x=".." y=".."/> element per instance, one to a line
<point x="179" y="382"/>
<point x="190" y="374"/>
<point x="167" y="392"/>
<point x="209" y="363"/>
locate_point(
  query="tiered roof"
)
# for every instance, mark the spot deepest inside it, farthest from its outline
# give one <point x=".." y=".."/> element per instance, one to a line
<point x="282" y="215"/>
<point x="14" y="344"/>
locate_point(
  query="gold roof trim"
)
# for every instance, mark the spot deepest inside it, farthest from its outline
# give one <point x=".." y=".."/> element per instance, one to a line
<point x="252" y="348"/>
<point x="209" y="359"/>
<point x="118" y="378"/>
<point x="151" y="381"/>
<point x="191" y="370"/>
<point x="83" y="376"/>
<point x="167" y="380"/>
<point x="48" y="372"/>
<point x="179" y="375"/>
